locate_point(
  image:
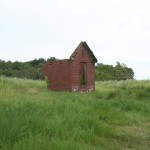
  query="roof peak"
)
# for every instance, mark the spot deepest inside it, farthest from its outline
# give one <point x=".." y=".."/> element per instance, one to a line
<point x="88" y="49"/>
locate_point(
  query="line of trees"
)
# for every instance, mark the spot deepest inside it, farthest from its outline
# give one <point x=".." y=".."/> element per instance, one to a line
<point x="34" y="70"/>
<point x="31" y="69"/>
<point x="109" y="72"/>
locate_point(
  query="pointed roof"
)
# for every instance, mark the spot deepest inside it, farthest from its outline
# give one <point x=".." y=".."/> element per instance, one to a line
<point x="88" y="50"/>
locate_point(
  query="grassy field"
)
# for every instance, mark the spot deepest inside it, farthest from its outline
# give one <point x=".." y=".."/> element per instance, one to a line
<point x="114" y="117"/>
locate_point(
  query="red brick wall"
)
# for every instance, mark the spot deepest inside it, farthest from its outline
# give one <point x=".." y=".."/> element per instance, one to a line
<point x="83" y="56"/>
<point x="59" y="74"/>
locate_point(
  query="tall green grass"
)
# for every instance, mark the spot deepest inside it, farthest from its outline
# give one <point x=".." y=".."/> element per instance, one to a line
<point x="114" y="117"/>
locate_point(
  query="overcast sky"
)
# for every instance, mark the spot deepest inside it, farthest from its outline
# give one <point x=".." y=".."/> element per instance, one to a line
<point x="115" y="30"/>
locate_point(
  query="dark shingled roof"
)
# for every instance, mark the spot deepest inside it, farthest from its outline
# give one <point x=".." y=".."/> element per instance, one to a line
<point x="88" y="49"/>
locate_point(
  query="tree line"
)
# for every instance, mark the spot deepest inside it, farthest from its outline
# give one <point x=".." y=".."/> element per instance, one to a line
<point x="109" y="72"/>
<point x="34" y="70"/>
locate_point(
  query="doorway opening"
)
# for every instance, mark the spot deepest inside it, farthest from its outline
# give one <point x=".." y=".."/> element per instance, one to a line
<point x="83" y="73"/>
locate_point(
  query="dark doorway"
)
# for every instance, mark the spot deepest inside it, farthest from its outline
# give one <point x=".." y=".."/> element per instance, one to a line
<point x="83" y="73"/>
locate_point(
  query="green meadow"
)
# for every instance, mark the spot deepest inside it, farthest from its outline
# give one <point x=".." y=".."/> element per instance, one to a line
<point x="114" y="117"/>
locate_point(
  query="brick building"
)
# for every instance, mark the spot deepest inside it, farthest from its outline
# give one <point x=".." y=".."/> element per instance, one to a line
<point x="74" y="74"/>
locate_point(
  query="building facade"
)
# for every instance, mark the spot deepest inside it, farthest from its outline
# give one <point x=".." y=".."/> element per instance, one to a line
<point x="74" y="74"/>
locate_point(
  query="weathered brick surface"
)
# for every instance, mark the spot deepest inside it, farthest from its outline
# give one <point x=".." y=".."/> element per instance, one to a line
<point x="65" y="75"/>
<point x="59" y="74"/>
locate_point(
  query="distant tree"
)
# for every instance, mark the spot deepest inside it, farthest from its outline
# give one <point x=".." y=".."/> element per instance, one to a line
<point x="104" y="72"/>
<point x="108" y="72"/>
<point x="31" y="69"/>
<point x="52" y="59"/>
<point x="16" y="65"/>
